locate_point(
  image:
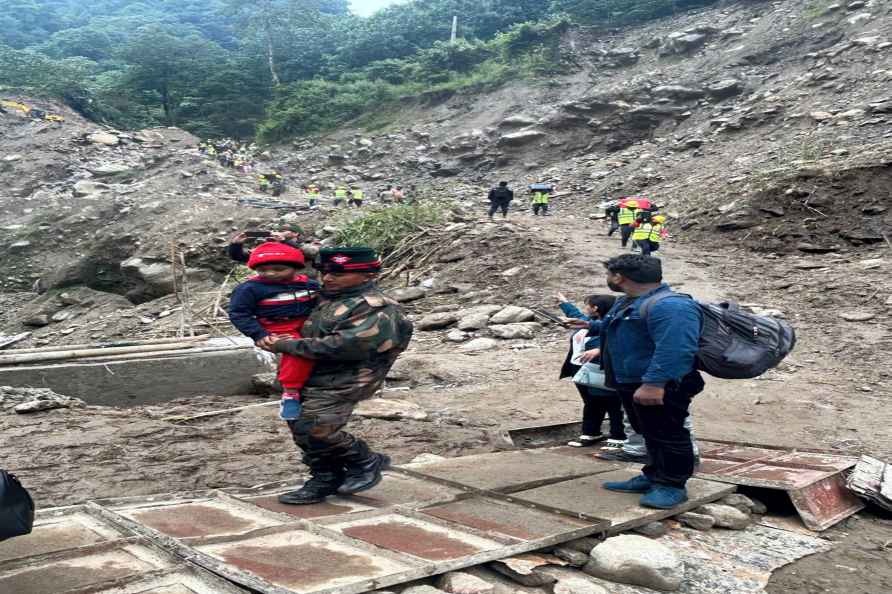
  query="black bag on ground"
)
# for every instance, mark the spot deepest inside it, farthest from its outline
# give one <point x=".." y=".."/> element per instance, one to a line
<point x="16" y="507"/>
<point x="736" y="344"/>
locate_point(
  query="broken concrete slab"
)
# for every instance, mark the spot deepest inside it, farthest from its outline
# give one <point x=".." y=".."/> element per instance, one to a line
<point x="146" y="381"/>
<point x="512" y="471"/>
<point x="587" y="496"/>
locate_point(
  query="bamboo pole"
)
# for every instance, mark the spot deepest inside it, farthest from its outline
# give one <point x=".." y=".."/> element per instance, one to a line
<point x="183" y="352"/>
<point x="179" y="419"/>
<point x="105" y="345"/>
<point x="80" y="354"/>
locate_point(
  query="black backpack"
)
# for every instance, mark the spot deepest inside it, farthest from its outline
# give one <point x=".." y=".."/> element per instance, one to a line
<point x="735" y="344"/>
<point x="16" y="507"/>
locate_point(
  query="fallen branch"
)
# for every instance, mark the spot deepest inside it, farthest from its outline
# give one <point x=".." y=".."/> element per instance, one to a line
<point x="6" y="341"/>
<point x="174" y="352"/>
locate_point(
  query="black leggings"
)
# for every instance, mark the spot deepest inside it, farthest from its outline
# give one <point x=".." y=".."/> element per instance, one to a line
<point x="595" y="407"/>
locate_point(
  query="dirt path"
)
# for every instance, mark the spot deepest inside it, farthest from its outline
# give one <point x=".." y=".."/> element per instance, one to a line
<point x="67" y="456"/>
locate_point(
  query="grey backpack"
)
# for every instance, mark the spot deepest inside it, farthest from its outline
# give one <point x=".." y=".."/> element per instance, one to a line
<point x="735" y="344"/>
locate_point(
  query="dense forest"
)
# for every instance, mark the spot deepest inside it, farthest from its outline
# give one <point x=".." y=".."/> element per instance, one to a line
<point x="281" y="68"/>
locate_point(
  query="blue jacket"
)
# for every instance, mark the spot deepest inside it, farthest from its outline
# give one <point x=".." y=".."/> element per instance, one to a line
<point x="257" y="299"/>
<point x="656" y="351"/>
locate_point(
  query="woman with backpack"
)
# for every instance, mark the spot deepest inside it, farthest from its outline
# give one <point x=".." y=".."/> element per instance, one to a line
<point x="598" y="400"/>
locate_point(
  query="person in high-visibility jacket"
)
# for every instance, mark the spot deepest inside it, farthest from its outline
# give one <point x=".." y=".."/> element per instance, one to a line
<point x="648" y="235"/>
<point x="314" y="196"/>
<point x="356" y="197"/>
<point x="626" y="220"/>
<point x="340" y="195"/>
<point x="540" y="202"/>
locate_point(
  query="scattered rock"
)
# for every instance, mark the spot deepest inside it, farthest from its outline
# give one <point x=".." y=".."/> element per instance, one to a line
<point x="105" y="138"/>
<point x="652" y="530"/>
<point x="515" y="331"/>
<point x="526" y="569"/>
<point x="512" y="315"/>
<point x="571" y="556"/>
<point x="266" y="384"/>
<point x="479" y="345"/>
<point x="407" y="294"/>
<point x="19" y="246"/>
<point x="37" y="321"/>
<point x="88" y="188"/>
<point x="423" y="590"/>
<point x="725" y="516"/>
<point x="389" y="409"/>
<point x="457" y="336"/>
<point x="572" y="582"/>
<point x="741" y="502"/>
<point x="110" y="169"/>
<point x="696" y="521"/>
<point x="437" y="321"/>
<point x="857" y="316"/>
<point x="521" y="138"/>
<point x="725" y="88"/>
<point x="476" y="321"/>
<point x="583" y="545"/>
<point x="426" y="458"/>
<point x="517" y="121"/>
<point x="636" y="560"/>
<point x="678" y="92"/>
<point x="29" y="400"/>
<point x="459" y="582"/>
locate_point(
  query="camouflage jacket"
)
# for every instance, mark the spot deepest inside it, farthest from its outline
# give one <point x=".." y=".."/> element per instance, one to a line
<point x="354" y="336"/>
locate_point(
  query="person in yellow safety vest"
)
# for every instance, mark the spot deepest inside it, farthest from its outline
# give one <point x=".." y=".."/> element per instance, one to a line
<point x="648" y="235"/>
<point x="540" y="202"/>
<point x="340" y="195"/>
<point x="356" y="197"/>
<point x="314" y="195"/>
<point x="626" y="220"/>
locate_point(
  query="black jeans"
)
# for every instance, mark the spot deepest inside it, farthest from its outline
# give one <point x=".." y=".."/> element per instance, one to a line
<point x="496" y="206"/>
<point x="668" y="442"/>
<point x="595" y="406"/>
<point x="625" y="233"/>
<point x="613" y="227"/>
<point x="538" y="207"/>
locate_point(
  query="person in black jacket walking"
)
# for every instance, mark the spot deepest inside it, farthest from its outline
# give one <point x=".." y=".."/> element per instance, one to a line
<point x="499" y="199"/>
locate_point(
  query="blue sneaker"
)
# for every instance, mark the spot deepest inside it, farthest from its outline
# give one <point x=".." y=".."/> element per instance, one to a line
<point x="289" y="409"/>
<point x="664" y="497"/>
<point x="639" y="484"/>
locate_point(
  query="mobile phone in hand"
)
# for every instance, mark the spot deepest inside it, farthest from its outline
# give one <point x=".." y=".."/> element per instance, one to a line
<point x="257" y="234"/>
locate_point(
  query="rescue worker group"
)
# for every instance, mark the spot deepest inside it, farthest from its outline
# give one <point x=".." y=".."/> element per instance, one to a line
<point x="337" y="340"/>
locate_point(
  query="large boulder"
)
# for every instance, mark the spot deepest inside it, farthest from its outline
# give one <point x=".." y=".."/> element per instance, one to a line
<point x="636" y="560"/>
<point x="512" y="315"/>
<point x="110" y="169"/>
<point x="154" y="278"/>
<point x="525" y="330"/>
<point x="521" y="138"/>
<point x="681" y="42"/>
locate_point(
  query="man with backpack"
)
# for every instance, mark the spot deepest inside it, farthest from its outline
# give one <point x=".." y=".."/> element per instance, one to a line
<point x="499" y="199"/>
<point x="650" y="359"/>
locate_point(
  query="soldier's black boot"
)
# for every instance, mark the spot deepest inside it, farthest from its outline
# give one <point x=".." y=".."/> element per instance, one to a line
<point x="363" y="468"/>
<point x="320" y="485"/>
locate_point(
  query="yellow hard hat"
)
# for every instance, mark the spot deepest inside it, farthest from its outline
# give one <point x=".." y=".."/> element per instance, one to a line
<point x="659" y="219"/>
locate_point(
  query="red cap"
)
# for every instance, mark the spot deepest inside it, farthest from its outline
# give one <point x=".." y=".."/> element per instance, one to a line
<point x="275" y="253"/>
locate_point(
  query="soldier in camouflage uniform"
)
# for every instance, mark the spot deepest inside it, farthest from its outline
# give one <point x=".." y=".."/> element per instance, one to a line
<point x="354" y="335"/>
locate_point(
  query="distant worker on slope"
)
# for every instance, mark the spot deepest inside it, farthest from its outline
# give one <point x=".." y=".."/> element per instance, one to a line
<point x="649" y="232"/>
<point x="541" y="196"/>
<point x="626" y="219"/>
<point x="500" y="199"/>
<point x="313" y="195"/>
<point x="340" y="195"/>
<point x="356" y="197"/>
<point x="612" y="213"/>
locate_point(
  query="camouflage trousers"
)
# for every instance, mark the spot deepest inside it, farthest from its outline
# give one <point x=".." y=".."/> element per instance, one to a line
<point x="320" y="435"/>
